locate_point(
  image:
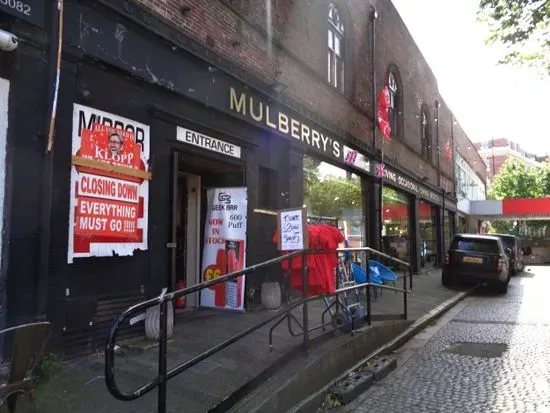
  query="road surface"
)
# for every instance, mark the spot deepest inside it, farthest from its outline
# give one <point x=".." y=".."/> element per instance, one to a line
<point x="490" y="353"/>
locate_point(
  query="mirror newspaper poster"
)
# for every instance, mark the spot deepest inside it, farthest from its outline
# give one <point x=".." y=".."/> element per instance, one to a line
<point x="109" y="185"/>
<point x="224" y="247"/>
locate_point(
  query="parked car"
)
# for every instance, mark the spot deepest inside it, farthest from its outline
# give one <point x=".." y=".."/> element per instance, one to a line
<point x="516" y="251"/>
<point x="478" y="258"/>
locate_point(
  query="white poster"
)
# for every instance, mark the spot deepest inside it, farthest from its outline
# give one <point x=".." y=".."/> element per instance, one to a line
<point x="4" y="95"/>
<point x="109" y="185"/>
<point x="291" y="230"/>
<point x="224" y="247"/>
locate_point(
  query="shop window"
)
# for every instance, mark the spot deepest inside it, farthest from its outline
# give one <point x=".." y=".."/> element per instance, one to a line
<point x="336" y="48"/>
<point x="334" y="196"/>
<point x="447" y="229"/>
<point x="395" y="110"/>
<point x="395" y="226"/>
<point x="427" y="217"/>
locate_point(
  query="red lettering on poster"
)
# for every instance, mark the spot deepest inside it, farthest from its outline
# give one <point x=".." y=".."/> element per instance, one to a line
<point x="108" y="204"/>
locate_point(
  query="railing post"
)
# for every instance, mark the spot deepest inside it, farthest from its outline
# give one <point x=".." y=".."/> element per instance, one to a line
<point x="369" y="318"/>
<point x="338" y="284"/>
<point x="163" y="327"/>
<point x="405" y="312"/>
<point x="305" y="315"/>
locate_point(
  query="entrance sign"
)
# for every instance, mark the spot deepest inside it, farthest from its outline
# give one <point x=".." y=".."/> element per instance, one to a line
<point x="109" y="185"/>
<point x="194" y="138"/>
<point x="224" y="247"/>
<point x="291" y="229"/>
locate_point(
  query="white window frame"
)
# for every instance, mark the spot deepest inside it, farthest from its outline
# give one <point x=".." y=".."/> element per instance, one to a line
<point x="336" y="48"/>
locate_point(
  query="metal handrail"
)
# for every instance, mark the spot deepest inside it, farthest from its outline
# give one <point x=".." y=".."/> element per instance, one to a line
<point x="165" y="297"/>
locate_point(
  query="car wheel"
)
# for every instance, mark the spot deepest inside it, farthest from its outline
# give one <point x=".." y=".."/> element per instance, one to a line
<point x="502" y="288"/>
<point x="446" y="280"/>
<point x="520" y="269"/>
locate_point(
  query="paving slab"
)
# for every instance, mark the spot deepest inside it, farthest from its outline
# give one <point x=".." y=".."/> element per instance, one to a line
<point x="81" y="388"/>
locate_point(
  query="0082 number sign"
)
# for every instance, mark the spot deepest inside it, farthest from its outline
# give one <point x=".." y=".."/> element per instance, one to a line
<point x="29" y="10"/>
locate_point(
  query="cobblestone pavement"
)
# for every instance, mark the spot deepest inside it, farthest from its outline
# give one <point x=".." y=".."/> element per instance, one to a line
<point x="493" y="356"/>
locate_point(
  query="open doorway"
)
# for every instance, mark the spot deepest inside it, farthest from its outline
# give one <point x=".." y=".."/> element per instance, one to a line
<point x="191" y="176"/>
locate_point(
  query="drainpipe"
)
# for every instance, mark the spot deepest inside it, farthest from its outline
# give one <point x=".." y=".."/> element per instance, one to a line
<point x="436" y="104"/>
<point x="453" y="153"/>
<point x="379" y="214"/>
<point x="373" y="17"/>
<point x="56" y="41"/>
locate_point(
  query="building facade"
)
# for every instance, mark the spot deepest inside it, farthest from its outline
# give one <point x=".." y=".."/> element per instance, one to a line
<point x="179" y="97"/>
<point x="495" y="152"/>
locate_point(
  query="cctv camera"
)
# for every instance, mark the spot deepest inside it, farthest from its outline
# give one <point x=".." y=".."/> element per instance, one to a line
<point x="8" y="41"/>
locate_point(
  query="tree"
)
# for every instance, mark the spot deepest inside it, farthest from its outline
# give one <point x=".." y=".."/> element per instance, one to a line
<point x="523" y="27"/>
<point x="311" y="172"/>
<point x="544" y="178"/>
<point x="516" y="180"/>
<point x="330" y="196"/>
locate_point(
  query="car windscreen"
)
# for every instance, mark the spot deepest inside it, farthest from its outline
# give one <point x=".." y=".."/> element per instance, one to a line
<point x="476" y="245"/>
<point x="508" y="242"/>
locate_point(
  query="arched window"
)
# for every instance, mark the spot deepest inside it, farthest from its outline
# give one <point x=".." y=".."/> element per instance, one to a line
<point x="393" y="87"/>
<point x="335" y="48"/>
<point x="425" y="136"/>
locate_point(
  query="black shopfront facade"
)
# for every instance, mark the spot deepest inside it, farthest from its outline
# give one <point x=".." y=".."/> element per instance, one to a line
<point x="126" y="63"/>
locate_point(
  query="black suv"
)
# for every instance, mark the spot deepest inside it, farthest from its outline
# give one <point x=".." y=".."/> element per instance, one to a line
<point x="478" y="258"/>
<point x="515" y="255"/>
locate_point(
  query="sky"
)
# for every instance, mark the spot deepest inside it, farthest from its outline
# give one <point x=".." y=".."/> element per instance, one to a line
<point x="489" y="100"/>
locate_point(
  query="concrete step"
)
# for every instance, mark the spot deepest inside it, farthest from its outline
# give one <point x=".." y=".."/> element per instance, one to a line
<point x="306" y="374"/>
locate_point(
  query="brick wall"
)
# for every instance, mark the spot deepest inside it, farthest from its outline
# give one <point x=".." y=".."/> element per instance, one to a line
<point x="297" y="58"/>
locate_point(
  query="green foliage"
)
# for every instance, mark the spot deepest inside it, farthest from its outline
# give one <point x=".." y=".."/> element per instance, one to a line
<point x="48" y="367"/>
<point x="516" y="180"/>
<point x="330" y="196"/>
<point x="523" y="27"/>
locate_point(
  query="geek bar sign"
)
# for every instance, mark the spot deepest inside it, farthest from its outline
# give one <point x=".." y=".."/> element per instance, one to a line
<point x="28" y="10"/>
<point x="400" y="180"/>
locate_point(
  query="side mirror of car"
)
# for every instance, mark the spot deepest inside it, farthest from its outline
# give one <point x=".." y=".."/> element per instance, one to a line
<point x="508" y="251"/>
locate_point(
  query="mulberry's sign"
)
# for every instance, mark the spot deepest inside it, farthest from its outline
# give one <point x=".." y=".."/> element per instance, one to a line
<point x="281" y="121"/>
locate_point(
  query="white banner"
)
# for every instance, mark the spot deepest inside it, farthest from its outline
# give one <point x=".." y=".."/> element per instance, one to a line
<point x="109" y="210"/>
<point x="224" y="246"/>
<point x="4" y="95"/>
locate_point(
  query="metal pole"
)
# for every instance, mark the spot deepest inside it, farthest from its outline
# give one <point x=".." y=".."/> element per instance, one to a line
<point x="374" y="16"/>
<point x="163" y="327"/>
<point x="438" y="143"/>
<point x="405" y="296"/>
<point x="453" y="153"/>
<point x="380" y="219"/>
<point x="305" y="315"/>
<point x="369" y="317"/>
